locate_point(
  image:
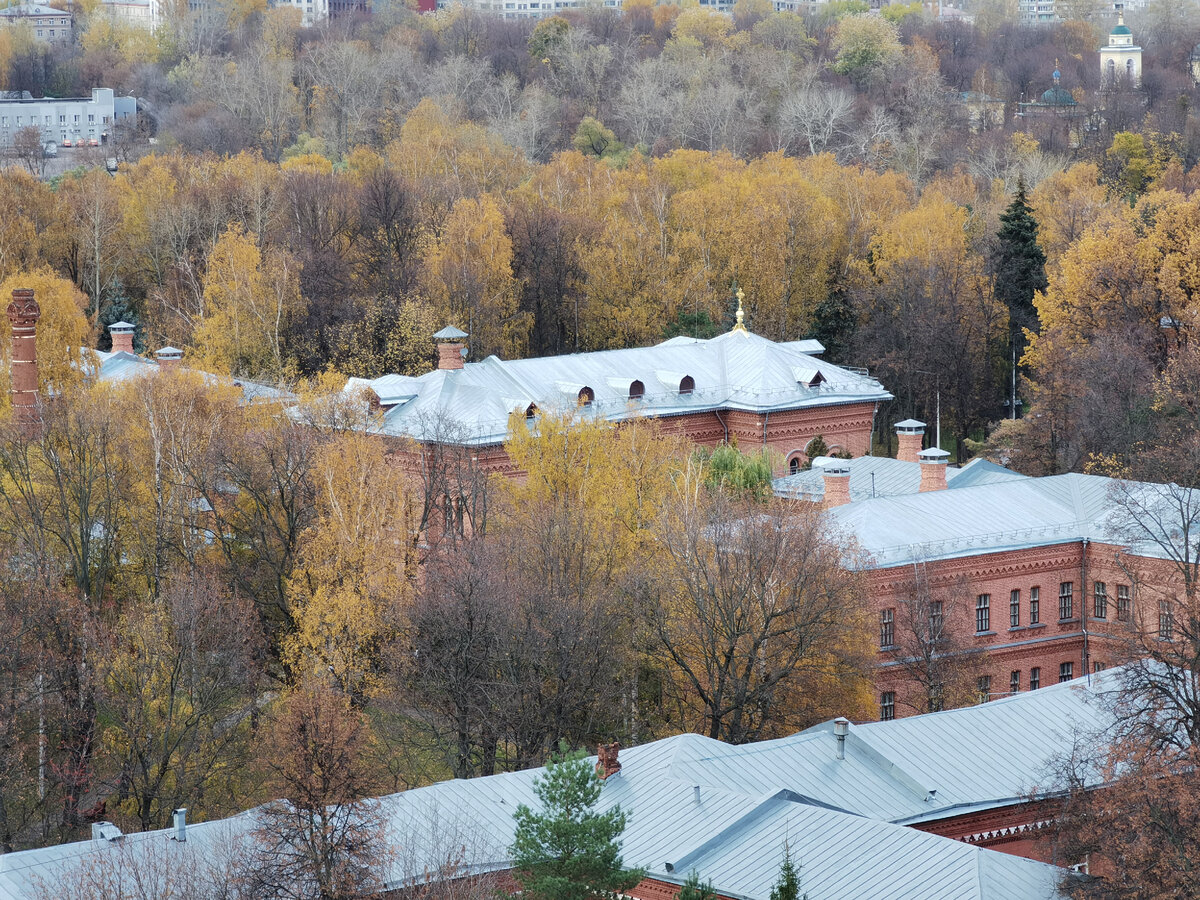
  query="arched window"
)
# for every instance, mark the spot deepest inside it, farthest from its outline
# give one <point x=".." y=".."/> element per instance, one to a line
<point x="1129" y="69"/>
<point x="793" y="465"/>
<point x="687" y="385"/>
<point x="1112" y="69"/>
<point x="637" y="390"/>
<point x="586" y="396"/>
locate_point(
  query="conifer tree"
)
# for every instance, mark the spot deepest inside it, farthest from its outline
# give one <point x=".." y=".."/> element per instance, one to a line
<point x="788" y="885"/>
<point x="1019" y="262"/>
<point x="695" y="889"/>
<point x="568" y="850"/>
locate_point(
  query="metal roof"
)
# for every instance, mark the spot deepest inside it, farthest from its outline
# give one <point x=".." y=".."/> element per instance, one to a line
<point x="737" y="370"/>
<point x="882" y="476"/>
<point x="839" y="818"/>
<point x="988" y="515"/>
<point x="117" y="365"/>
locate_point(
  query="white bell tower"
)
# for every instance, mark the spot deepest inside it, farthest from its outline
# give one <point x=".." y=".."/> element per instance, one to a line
<point x="1121" y="60"/>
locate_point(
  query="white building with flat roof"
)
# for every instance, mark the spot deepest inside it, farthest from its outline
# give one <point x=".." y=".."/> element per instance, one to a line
<point x="75" y="121"/>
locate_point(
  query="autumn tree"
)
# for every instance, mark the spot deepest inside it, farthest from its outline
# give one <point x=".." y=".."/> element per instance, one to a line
<point x="321" y="840"/>
<point x="756" y="614"/>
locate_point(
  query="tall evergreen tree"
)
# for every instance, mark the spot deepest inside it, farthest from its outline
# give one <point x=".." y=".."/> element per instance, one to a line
<point x="695" y="889"/>
<point x="568" y="851"/>
<point x="1019" y="262"/>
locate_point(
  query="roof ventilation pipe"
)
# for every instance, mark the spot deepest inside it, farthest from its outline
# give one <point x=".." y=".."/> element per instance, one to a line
<point x="180" y="817"/>
<point x="841" y="728"/>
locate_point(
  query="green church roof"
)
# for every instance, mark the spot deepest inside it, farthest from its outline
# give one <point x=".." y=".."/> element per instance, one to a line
<point x="1121" y="29"/>
<point x="1058" y="97"/>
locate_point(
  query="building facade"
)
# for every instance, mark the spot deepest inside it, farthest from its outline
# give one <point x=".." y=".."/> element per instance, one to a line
<point x="737" y="387"/>
<point x="1120" y="59"/>
<point x="83" y="121"/>
<point x="54" y="26"/>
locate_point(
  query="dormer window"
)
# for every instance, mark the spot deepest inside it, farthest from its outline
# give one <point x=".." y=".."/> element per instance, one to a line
<point x="687" y="384"/>
<point x="586" y="396"/>
<point x="637" y="390"/>
<point x="531" y="411"/>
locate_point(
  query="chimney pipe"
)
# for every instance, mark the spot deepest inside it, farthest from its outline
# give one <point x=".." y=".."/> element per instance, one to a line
<point x="122" y="337"/>
<point x="910" y="437"/>
<point x="168" y="358"/>
<point x="180" y="817"/>
<point x="841" y="728"/>
<point x="835" y="475"/>
<point x="23" y="314"/>
<point x="607" y="763"/>
<point x="451" y="349"/>
<point x="696" y="790"/>
<point x="933" y="469"/>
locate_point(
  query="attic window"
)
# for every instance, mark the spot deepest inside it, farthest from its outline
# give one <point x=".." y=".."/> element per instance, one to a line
<point x="637" y="390"/>
<point x="687" y="385"/>
<point x="531" y="410"/>
<point x="586" y="396"/>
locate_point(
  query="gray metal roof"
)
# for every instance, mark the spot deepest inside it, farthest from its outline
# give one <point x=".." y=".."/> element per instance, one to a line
<point x="988" y="515"/>
<point x="737" y="370"/>
<point x="840" y="818"/>
<point x="115" y="366"/>
<point x="882" y="476"/>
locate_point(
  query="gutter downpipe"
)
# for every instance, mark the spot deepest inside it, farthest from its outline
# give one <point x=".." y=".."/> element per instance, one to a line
<point x="1083" y="611"/>
<point x="871" y="439"/>
<point x="717" y="413"/>
<point x="766" y="419"/>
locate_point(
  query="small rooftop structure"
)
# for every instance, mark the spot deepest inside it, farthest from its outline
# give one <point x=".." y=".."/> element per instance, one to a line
<point x="882" y="476"/>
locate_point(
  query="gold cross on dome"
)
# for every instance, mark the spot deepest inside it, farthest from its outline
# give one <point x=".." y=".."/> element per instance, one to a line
<point x="741" y="315"/>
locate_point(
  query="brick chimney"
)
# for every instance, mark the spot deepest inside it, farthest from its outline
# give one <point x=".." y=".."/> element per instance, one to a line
<point x="835" y="475"/>
<point x="168" y="358"/>
<point x="122" y="337"/>
<point x="910" y="437"/>
<point x="23" y="313"/>
<point x="607" y="763"/>
<point x="933" y="469"/>
<point x="450" y="348"/>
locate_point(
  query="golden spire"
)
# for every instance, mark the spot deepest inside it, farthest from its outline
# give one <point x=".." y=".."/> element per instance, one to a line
<point x="741" y="315"/>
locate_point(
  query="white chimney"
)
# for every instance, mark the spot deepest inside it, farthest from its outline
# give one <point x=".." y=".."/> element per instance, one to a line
<point x="180" y="816"/>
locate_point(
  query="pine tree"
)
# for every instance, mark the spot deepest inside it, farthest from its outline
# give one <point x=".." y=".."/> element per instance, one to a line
<point x="788" y="885"/>
<point x="568" y="850"/>
<point x="694" y="889"/>
<point x="1019" y="262"/>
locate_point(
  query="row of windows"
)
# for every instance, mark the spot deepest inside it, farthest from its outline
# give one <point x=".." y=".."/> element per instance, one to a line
<point x="637" y="390"/>
<point x="62" y="120"/>
<point x="983" y="611"/>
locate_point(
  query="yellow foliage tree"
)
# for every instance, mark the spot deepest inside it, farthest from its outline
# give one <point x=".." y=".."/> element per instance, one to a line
<point x="468" y="277"/>
<point x="349" y="585"/>
<point x="248" y="301"/>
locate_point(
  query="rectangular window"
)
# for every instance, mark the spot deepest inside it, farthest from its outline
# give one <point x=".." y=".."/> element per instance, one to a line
<point x="1166" y="621"/>
<point x="1014" y="609"/>
<point x="91" y="118"/>
<point x="1014" y="682"/>
<point x="937" y="620"/>
<point x="62" y="120"/>
<point x="1035" y="606"/>
<point x="1066" y="671"/>
<point x="1035" y="678"/>
<point x="1098" y="667"/>
<point x="887" y="706"/>
<point x="887" y="628"/>
<point x="1124" y="603"/>
<point x="1100" y="600"/>
<point x="984" y="686"/>
<point x="1066" y="600"/>
<point x="983" y="612"/>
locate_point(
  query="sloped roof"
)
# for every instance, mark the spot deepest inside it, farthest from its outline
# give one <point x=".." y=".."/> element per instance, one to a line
<point x="995" y="513"/>
<point x="32" y="9"/>
<point x="839" y="818"/>
<point x="117" y="365"/>
<point x="737" y="370"/>
<point x="882" y="476"/>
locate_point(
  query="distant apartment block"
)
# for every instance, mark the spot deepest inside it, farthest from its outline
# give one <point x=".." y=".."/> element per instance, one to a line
<point x="1036" y="12"/>
<point x="82" y="121"/>
<point x="312" y="12"/>
<point x="54" y="26"/>
<point x="140" y="13"/>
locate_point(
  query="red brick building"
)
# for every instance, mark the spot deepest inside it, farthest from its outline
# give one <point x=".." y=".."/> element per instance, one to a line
<point x="1026" y="579"/>
<point x="738" y="387"/>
